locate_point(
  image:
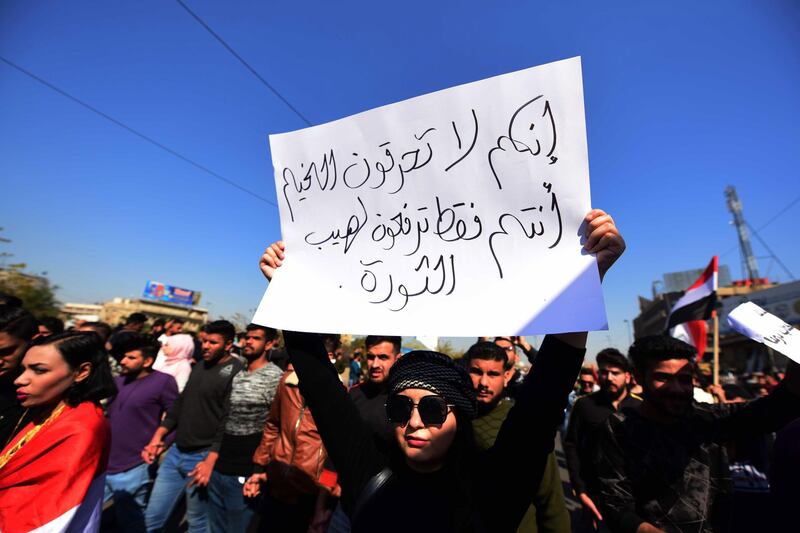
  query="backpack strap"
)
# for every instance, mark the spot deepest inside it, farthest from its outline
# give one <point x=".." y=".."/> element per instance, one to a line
<point x="373" y="486"/>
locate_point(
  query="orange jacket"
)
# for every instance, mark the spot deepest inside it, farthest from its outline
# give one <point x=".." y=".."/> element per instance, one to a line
<point x="291" y="450"/>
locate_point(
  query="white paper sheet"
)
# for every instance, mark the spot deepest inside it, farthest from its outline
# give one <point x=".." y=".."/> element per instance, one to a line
<point x="752" y="321"/>
<point x="456" y="213"/>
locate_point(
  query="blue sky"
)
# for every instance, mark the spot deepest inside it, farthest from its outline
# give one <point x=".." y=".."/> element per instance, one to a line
<point x="682" y="99"/>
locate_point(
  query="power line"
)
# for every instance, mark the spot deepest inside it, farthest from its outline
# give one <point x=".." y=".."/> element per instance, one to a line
<point x="772" y="254"/>
<point x="243" y="62"/>
<point x="779" y="213"/>
<point x="767" y="223"/>
<point x="136" y="132"/>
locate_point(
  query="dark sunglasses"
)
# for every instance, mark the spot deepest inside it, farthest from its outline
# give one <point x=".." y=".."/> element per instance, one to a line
<point x="432" y="409"/>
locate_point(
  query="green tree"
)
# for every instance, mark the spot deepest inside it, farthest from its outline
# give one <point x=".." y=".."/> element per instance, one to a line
<point x="36" y="293"/>
<point x="414" y="344"/>
<point x="239" y="321"/>
<point x="447" y="348"/>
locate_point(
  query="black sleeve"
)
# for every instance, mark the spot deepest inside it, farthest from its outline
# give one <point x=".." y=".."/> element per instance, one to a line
<point x="173" y="414"/>
<point x="347" y="438"/>
<point x="219" y="434"/>
<point x="574" y="429"/>
<point x="530" y="354"/>
<point x="528" y="435"/>
<point x="764" y="415"/>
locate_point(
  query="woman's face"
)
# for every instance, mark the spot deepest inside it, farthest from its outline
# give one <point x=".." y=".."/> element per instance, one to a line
<point x="425" y="447"/>
<point x="45" y="377"/>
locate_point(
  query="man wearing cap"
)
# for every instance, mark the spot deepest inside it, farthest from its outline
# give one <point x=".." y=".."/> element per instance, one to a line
<point x="588" y="415"/>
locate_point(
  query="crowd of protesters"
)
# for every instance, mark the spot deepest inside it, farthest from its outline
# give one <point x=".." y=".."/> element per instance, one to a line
<point x="152" y="428"/>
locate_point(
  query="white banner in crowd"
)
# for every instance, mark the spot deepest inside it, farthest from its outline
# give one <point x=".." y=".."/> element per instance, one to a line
<point x="456" y="213"/>
<point x="752" y="321"/>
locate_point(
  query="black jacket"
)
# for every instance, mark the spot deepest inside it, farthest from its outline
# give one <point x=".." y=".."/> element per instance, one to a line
<point x="488" y="497"/>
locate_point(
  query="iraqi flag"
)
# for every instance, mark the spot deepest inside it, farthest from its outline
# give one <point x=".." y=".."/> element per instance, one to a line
<point x="687" y="320"/>
<point x="55" y="482"/>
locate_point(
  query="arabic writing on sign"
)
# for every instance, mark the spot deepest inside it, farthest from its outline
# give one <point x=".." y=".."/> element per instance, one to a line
<point x="531" y="131"/>
<point x="751" y="320"/>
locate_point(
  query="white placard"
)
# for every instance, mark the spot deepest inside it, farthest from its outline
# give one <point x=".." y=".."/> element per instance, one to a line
<point x="457" y="213"/>
<point x="752" y="321"/>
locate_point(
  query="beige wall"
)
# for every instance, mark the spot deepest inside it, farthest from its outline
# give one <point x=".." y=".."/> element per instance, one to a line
<point x="117" y="310"/>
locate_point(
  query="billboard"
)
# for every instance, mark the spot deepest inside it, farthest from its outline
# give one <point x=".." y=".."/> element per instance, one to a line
<point x="155" y="290"/>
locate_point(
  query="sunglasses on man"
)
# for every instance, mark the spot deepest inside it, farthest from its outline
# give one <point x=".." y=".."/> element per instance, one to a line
<point x="432" y="409"/>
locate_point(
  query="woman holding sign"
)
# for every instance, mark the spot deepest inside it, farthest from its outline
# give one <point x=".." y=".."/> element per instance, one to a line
<point x="432" y="479"/>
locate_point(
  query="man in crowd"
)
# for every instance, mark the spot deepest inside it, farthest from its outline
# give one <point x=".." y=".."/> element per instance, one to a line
<point x="487" y="364"/>
<point x="50" y="325"/>
<point x="355" y="368"/>
<point x="588" y="414"/>
<point x="17" y="329"/>
<point x="509" y="345"/>
<point x="196" y="417"/>
<point x="143" y="396"/>
<point x="289" y="459"/>
<point x="157" y="328"/>
<point x="665" y="466"/>
<point x="369" y="397"/>
<point x="252" y="392"/>
<point x="587" y="382"/>
<point x="102" y="329"/>
<point x="133" y="326"/>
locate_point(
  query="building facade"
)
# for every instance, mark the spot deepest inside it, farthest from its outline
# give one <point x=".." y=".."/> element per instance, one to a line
<point x="117" y="310"/>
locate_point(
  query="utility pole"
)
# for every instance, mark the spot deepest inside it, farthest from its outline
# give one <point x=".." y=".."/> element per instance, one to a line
<point x="749" y="260"/>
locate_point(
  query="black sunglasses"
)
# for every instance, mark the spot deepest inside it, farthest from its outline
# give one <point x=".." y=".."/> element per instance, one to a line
<point x="432" y="409"/>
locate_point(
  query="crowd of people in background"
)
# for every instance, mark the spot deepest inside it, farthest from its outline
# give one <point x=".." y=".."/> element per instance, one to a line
<point x="150" y="427"/>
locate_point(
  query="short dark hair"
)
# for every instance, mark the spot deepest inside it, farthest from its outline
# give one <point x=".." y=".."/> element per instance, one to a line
<point x="488" y="351"/>
<point x="101" y="328"/>
<point x="54" y="325"/>
<point x="178" y="320"/>
<point x="139" y="341"/>
<point x="136" y="318"/>
<point x="373" y="340"/>
<point x="270" y="333"/>
<point x="158" y="322"/>
<point x="647" y="350"/>
<point x="613" y="357"/>
<point x="332" y="341"/>
<point x="586" y="371"/>
<point x="17" y="322"/>
<point x="220" y="327"/>
<point x="78" y="347"/>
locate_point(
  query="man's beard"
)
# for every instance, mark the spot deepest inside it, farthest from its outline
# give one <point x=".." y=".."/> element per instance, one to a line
<point x="251" y="356"/>
<point x="614" y="394"/>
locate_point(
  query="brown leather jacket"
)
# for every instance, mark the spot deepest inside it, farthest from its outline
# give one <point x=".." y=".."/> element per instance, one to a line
<point x="291" y="450"/>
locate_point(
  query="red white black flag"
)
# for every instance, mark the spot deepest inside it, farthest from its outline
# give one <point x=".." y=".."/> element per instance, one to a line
<point x="687" y="319"/>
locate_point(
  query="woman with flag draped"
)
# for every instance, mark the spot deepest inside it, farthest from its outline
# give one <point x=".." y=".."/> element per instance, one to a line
<point x="52" y="470"/>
